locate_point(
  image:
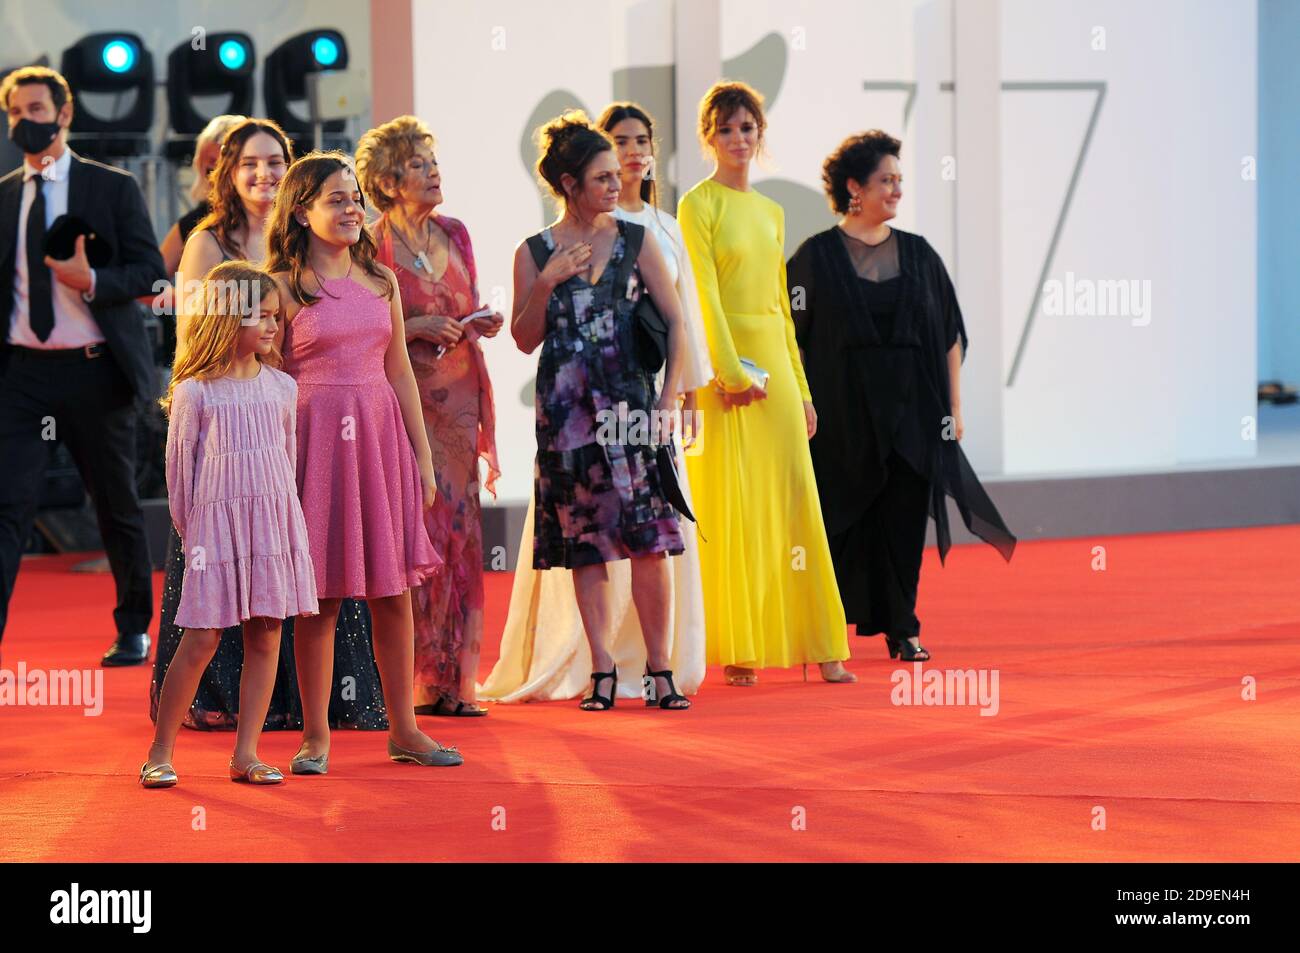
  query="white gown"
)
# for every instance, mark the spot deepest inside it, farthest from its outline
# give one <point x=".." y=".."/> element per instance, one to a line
<point x="544" y="651"/>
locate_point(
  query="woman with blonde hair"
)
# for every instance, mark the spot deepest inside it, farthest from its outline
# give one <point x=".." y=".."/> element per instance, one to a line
<point x="770" y="595"/>
<point x="207" y="150"/>
<point x="433" y="259"/>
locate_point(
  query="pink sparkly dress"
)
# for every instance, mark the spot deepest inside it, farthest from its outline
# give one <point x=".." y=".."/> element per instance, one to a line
<point x="231" y="492"/>
<point x="358" y="478"/>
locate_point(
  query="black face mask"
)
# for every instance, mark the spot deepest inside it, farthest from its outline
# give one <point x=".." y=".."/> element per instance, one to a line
<point x="33" y="137"/>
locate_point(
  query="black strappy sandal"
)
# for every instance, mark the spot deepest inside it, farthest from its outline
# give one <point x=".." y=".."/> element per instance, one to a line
<point x="902" y="648"/>
<point x="596" y="701"/>
<point x="651" y="692"/>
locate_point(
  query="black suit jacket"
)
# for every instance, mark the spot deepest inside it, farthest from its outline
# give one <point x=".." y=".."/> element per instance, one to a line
<point x="109" y="200"/>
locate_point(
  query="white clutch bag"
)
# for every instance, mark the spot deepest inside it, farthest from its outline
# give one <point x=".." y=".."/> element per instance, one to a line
<point x="759" y="376"/>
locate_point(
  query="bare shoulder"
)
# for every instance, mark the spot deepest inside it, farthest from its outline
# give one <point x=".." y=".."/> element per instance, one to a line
<point x="202" y="249"/>
<point x="524" y="258"/>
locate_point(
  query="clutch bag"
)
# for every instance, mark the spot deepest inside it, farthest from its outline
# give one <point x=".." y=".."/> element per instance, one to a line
<point x="756" y="373"/>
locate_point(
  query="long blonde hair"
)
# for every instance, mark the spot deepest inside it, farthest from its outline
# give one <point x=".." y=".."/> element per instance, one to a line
<point x="209" y="347"/>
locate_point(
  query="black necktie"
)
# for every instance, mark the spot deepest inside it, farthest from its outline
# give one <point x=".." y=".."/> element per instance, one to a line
<point x="40" y="299"/>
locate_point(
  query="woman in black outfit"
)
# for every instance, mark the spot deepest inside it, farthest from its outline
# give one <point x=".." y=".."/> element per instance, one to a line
<point x="883" y="340"/>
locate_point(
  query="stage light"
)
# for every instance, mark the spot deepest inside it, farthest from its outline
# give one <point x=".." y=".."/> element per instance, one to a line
<point x="119" y="56"/>
<point x="233" y="54"/>
<point x="284" y="80"/>
<point x="325" y="51"/>
<point x="223" y="66"/>
<point x="113" y="63"/>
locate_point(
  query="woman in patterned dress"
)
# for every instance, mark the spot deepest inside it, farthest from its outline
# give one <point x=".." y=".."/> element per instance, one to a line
<point x="434" y="262"/>
<point x="599" y="495"/>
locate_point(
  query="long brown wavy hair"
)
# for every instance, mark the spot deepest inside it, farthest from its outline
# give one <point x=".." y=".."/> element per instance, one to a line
<point x="287" y="242"/>
<point x="232" y="291"/>
<point x="226" y="210"/>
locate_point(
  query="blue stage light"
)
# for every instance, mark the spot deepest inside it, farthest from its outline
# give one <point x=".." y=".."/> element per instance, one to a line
<point x="119" y="56"/>
<point x="325" y="50"/>
<point x="232" y="54"/>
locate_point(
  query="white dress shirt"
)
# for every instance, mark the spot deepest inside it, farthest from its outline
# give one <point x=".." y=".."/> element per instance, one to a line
<point x="74" y="326"/>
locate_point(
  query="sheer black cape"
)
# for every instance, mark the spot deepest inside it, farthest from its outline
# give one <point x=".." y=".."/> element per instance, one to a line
<point x="874" y="395"/>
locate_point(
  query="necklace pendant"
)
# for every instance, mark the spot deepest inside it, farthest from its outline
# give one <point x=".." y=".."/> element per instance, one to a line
<point x="422" y="261"/>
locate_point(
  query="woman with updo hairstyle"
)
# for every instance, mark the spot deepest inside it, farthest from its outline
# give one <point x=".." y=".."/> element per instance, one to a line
<point x="883" y="340"/>
<point x="433" y="259"/>
<point x="544" y="654"/>
<point x="769" y="586"/>
<point x="600" y="496"/>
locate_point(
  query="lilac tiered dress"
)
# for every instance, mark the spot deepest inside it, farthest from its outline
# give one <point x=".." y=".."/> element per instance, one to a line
<point x="358" y="479"/>
<point x="232" y="493"/>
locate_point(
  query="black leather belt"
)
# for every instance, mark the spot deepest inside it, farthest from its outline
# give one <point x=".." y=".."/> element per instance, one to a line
<point x="87" y="353"/>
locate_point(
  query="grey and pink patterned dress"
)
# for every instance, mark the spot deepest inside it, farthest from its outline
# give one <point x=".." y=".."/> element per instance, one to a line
<point x="597" y="487"/>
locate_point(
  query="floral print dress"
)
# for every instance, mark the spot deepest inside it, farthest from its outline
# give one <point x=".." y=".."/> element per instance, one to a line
<point x="596" y="484"/>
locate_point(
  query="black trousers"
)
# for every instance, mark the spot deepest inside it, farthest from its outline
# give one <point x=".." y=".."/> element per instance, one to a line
<point x="87" y="403"/>
<point x="878" y="558"/>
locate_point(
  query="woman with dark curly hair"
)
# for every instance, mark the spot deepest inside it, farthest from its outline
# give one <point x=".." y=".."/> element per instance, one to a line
<point x="882" y="340"/>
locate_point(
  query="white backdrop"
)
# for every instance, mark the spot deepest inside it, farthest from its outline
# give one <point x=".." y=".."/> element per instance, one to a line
<point x="1159" y="199"/>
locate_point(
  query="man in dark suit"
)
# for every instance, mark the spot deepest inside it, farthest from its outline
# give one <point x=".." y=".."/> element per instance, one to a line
<point x="74" y="353"/>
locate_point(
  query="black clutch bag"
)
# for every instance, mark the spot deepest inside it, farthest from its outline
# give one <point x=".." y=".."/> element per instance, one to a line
<point x="61" y="241"/>
<point x="672" y="487"/>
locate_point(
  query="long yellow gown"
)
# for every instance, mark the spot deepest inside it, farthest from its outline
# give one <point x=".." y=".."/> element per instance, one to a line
<point x="770" y="596"/>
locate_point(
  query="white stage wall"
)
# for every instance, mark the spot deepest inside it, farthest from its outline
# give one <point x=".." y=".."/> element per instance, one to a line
<point x="1158" y="199"/>
<point x="1162" y="197"/>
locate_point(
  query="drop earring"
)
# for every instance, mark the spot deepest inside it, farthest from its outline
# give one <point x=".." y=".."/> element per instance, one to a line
<point x="649" y="172"/>
<point x="855" y="203"/>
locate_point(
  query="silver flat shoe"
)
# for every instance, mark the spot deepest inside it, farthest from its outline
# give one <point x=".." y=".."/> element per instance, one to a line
<point x="439" y="757"/>
<point x="158" y="775"/>
<point x="317" y="765"/>
<point x="259" y="772"/>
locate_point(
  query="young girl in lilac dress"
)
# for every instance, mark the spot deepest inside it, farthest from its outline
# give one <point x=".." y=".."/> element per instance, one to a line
<point x="365" y="473"/>
<point x="232" y="494"/>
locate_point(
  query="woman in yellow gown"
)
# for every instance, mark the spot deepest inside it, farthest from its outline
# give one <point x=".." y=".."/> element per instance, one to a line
<point x="770" y="595"/>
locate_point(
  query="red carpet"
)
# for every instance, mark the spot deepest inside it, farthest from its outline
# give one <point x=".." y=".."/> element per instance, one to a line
<point x="1119" y="690"/>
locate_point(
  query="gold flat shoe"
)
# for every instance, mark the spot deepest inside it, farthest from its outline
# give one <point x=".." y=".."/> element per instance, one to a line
<point x="158" y="775"/>
<point x="256" y="773"/>
<point x="439" y="757"/>
<point x="317" y="765"/>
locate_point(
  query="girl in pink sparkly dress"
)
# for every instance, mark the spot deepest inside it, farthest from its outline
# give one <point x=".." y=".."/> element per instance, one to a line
<point x="365" y="473"/>
<point x="232" y="495"/>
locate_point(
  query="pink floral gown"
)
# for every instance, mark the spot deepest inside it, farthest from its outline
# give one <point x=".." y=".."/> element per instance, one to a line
<point x="459" y="416"/>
